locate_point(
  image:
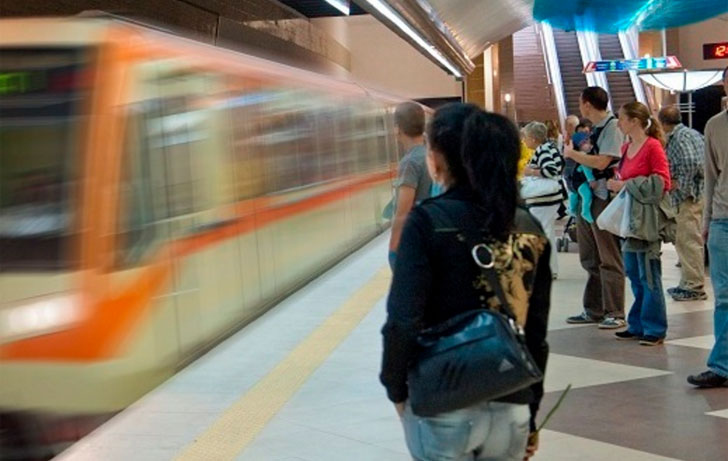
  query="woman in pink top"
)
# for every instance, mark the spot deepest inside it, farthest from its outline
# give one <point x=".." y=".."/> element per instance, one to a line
<point x="643" y="156"/>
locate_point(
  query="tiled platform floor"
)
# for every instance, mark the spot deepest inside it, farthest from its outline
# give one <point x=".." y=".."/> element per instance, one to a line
<point x="628" y="402"/>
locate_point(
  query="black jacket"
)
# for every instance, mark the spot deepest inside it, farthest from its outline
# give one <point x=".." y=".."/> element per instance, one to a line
<point x="435" y="278"/>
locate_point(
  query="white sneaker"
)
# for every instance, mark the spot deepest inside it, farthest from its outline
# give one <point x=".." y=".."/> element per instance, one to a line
<point x="611" y="323"/>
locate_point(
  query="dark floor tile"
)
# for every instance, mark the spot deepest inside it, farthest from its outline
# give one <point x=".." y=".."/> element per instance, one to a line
<point x="660" y="415"/>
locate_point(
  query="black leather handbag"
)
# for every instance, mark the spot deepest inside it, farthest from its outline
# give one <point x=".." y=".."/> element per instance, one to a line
<point x="476" y="356"/>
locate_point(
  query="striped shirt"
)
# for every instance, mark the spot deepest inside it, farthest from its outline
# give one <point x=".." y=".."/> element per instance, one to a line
<point x="547" y="158"/>
<point x="686" y="153"/>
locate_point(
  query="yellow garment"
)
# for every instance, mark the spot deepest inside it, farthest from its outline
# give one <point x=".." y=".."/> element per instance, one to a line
<point x="526" y="155"/>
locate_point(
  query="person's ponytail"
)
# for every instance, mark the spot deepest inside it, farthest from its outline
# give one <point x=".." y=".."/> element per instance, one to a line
<point x="490" y="150"/>
<point x="654" y="130"/>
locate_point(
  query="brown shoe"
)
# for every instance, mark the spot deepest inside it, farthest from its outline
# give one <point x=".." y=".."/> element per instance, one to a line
<point x="651" y="340"/>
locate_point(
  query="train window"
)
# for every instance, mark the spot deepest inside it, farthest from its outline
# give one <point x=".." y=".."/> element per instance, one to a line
<point x="136" y="221"/>
<point x="282" y="134"/>
<point x="247" y="129"/>
<point x="40" y="98"/>
<point x="183" y="143"/>
<point x="326" y="140"/>
<point x="382" y="134"/>
<point x="177" y="147"/>
<point x="368" y="137"/>
<point x="359" y="137"/>
<point x="283" y="145"/>
<point x="170" y="135"/>
<point x="346" y="155"/>
<point x="308" y="160"/>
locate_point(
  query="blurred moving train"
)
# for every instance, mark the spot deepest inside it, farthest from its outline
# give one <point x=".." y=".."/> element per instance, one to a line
<point x="156" y="194"/>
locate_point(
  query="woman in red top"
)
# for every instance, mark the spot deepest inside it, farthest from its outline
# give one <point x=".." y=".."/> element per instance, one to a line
<point x="643" y="155"/>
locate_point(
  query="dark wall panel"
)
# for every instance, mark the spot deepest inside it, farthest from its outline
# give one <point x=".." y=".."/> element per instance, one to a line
<point x="263" y="27"/>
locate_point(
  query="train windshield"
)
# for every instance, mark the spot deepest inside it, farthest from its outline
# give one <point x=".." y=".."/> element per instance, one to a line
<point x="40" y="94"/>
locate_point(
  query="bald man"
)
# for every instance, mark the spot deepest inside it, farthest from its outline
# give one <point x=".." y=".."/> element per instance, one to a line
<point x="570" y="124"/>
<point x="686" y="154"/>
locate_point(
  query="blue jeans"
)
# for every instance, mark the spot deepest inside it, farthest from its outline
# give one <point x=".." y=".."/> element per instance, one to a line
<point x="488" y="431"/>
<point x="648" y="316"/>
<point x="718" y="249"/>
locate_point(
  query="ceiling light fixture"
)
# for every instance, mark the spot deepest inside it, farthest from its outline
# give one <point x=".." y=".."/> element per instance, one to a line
<point x="341" y="5"/>
<point x="683" y="81"/>
<point x="390" y="14"/>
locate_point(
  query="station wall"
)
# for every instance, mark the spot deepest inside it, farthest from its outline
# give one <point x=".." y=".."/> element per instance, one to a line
<point x="382" y="60"/>
<point x="692" y="38"/>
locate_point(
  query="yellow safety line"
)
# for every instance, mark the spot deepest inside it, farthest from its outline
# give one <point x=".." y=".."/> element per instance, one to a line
<point x="231" y="433"/>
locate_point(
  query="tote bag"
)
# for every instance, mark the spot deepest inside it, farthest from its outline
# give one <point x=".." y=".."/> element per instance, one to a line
<point x="616" y="216"/>
<point x="532" y="186"/>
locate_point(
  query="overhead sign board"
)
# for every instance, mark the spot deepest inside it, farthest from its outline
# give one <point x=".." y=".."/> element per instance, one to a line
<point x="624" y="65"/>
<point x="715" y="50"/>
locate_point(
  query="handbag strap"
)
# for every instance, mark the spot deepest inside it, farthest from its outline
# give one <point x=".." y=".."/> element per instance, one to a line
<point x="472" y="237"/>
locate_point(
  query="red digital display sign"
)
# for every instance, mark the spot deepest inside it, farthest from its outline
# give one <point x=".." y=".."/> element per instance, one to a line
<point x="715" y="50"/>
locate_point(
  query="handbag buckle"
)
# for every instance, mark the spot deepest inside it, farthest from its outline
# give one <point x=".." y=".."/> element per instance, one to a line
<point x="476" y="257"/>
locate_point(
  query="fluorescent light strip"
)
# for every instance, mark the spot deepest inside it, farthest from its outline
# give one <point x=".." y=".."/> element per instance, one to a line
<point x="384" y="9"/>
<point x="340" y="5"/>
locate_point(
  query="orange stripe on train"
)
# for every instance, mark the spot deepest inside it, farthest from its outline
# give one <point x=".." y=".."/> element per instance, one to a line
<point x="114" y="315"/>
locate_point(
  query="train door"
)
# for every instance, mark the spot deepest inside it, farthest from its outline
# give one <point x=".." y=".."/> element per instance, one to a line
<point x="253" y="120"/>
<point x="248" y="183"/>
<point x="199" y="193"/>
<point x="185" y="144"/>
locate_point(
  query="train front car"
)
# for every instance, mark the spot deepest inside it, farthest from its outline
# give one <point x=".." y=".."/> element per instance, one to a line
<point x="155" y="195"/>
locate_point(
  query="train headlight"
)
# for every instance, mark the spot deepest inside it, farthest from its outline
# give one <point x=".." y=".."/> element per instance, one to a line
<point x="39" y="317"/>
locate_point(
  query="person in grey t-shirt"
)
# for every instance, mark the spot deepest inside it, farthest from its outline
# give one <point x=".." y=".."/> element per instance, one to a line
<point x="599" y="250"/>
<point x="413" y="180"/>
<point x="715" y="232"/>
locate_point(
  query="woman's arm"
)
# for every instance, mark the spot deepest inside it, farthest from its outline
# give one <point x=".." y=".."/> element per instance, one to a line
<point x="406" y="304"/>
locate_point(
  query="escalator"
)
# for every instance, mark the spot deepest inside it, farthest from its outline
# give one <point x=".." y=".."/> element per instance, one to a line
<point x="570" y="63"/>
<point x="620" y="85"/>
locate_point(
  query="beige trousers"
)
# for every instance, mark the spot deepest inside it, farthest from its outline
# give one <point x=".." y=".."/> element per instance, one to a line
<point x="689" y="244"/>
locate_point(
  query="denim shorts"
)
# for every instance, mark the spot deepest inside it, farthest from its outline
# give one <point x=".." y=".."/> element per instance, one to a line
<point x="488" y="431"/>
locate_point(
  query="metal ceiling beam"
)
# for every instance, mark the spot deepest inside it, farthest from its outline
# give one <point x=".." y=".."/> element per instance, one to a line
<point x="426" y="20"/>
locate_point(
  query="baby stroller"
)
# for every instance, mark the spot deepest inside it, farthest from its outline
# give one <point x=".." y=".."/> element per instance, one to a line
<point x="569" y="234"/>
<point x="568" y="237"/>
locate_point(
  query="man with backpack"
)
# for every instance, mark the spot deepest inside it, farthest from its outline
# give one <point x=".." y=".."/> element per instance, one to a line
<point x="599" y="251"/>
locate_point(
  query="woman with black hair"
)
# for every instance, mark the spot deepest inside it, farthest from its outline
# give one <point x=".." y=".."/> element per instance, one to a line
<point x="473" y="155"/>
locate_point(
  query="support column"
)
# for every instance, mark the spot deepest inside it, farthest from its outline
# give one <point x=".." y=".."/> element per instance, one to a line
<point x="475" y="84"/>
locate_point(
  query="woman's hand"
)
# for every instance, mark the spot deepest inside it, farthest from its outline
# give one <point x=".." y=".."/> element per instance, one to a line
<point x="532" y="446"/>
<point x="400" y="409"/>
<point x="615" y="185"/>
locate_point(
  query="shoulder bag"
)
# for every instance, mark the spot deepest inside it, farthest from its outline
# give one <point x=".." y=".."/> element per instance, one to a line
<point x="476" y="356"/>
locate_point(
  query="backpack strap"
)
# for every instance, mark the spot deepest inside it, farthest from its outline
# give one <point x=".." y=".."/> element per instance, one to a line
<point x="606" y="173"/>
